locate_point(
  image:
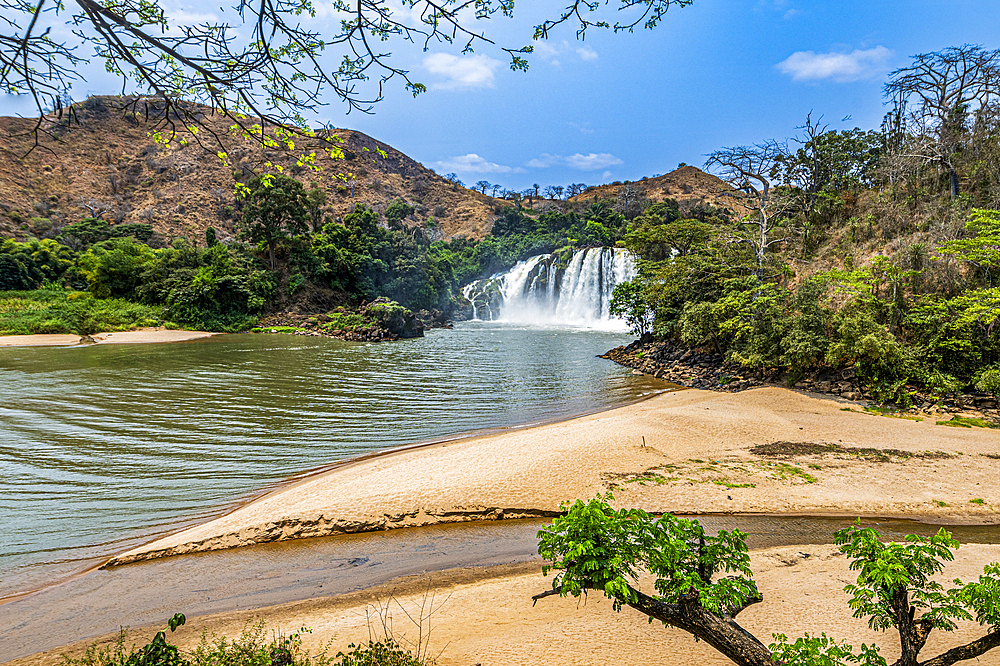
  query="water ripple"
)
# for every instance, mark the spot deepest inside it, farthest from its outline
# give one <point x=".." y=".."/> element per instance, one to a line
<point x="103" y="446"/>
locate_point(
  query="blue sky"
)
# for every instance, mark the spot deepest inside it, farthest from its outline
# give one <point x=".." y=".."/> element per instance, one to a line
<point x="619" y="107"/>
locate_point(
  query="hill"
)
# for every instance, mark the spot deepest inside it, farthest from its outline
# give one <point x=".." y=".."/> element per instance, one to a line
<point x="106" y="162"/>
<point x="687" y="184"/>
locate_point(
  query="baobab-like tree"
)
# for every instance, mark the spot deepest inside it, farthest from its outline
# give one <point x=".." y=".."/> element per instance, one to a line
<point x="946" y="91"/>
<point x="753" y="171"/>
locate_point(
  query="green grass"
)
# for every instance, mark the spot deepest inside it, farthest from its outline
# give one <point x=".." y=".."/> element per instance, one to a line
<point x="277" y="329"/>
<point x="786" y="470"/>
<point x="966" y="422"/>
<point x="253" y="647"/>
<point x="75" y="312"/>
<point x="978" y="500"/>
<point x="892" y="414"/>
<point x="939" y="503"/>
<point x="729" y="484"/>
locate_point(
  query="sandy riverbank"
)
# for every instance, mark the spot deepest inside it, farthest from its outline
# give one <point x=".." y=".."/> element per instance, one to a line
<point x="685" y="452"/>
<point x="485" y="616"/>
<point x="138" y="336"/>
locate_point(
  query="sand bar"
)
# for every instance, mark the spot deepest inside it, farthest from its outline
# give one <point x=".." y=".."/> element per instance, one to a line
<point x="138" y="336"/>
<point x="55" y="340"/>
<point x="684" y="452"/>
<point x="485" y="616"/>
<point x="148" y="335"/>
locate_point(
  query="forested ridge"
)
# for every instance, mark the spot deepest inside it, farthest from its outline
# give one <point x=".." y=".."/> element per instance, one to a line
<point x="875" y="250"/>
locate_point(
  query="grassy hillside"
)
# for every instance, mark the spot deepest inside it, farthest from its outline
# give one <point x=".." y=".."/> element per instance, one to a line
<point x="104" y="160"/>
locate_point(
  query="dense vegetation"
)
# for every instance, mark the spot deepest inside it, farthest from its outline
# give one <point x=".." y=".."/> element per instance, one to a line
<point x="877" y="250"/>
<point x="287" y="249"/>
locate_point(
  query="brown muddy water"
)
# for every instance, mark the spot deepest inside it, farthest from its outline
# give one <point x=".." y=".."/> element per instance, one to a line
<point x="148" y="593"/>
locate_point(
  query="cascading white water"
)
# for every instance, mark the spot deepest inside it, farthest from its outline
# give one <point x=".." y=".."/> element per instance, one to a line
<point x="545" y="290"/>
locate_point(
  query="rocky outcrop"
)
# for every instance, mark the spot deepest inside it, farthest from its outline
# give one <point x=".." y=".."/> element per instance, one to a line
<point x="381" y="320"/>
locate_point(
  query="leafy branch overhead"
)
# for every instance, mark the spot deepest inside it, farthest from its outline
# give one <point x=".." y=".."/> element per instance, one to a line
<point x="702" y="582"/>
<point x="260" y="59"/>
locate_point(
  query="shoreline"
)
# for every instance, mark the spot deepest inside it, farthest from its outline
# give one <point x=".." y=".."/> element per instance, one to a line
<point x="280" y="485"/>
<point x="666" y="452"/>
<point x="137" y="336"/>
<point x="802" y="588"/>
<point x="528" y="472"/>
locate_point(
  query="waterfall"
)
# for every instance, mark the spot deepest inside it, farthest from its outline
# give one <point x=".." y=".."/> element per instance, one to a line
<point x="549" y="290"/>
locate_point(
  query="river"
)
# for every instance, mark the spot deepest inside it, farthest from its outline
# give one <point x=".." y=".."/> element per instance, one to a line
<point x="105" y="446"/>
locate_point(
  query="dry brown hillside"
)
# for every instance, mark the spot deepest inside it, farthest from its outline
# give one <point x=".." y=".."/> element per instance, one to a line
<point x="108" y="163"/>
<point x="686" y="184"/>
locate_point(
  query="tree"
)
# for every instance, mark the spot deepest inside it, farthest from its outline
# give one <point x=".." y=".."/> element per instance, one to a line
<point x="628" y="302"/>
<point x="482" y="186"/>
<point x="949" y="86"/>
<point x="751" y="171"/>
<point x="828" y="162"/>
<point x="631" y="200"/>
<point x="257" y="60"/>
<point x="703" y="582"/>
<point x="274" y="207"/>
<point x="982" y="250"/>
<point x="396" y="212"/>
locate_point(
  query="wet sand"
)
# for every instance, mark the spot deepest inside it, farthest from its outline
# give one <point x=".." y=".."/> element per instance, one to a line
<point x="486" y="616"/>
<point x="685" y="452"/>
<point x="138" y="336"/>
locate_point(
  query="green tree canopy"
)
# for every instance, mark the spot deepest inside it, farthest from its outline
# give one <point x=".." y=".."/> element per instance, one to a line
<point x="274" y="208"/>
<point x="702" y="583"/>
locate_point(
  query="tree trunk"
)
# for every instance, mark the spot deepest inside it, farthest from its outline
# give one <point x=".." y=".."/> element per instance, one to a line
<point x="723" y="634"/>
<point x="954" y="182"/>
<point x="270" y="249"/>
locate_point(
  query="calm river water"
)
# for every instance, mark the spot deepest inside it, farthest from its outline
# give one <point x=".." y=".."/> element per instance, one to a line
<point x="104" y="446"/>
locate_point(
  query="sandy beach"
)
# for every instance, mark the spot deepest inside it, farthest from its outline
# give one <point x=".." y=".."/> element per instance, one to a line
<point x="683" y="452"/>
<point x="486" y="616"/>
<point x="138" y="336"/>
<point x="766" y="450"/>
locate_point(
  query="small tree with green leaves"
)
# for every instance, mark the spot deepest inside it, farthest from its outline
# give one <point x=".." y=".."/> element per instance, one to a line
<point x="274" y="207"/>
<point x="703" y="582"/>
<point x="628" y="302"/>
<point x="982" y="248"/>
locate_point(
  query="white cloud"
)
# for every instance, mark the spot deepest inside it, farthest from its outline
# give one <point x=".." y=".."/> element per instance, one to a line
<point x="584" y="128"/>
<point x="186" y="17"/>
<point x="591" y="162"/>
<point x="841" y="67"/>
<point x="544" y="160"/>
<point x="550" y="51"/>
<point x="472" y="163"/>
<point x="545" y="50"/>
<point x="467" y="72"/>
<point x="605" y="175"/>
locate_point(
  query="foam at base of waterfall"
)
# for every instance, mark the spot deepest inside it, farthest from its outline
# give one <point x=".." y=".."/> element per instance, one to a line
<point x="541" y="292"/>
